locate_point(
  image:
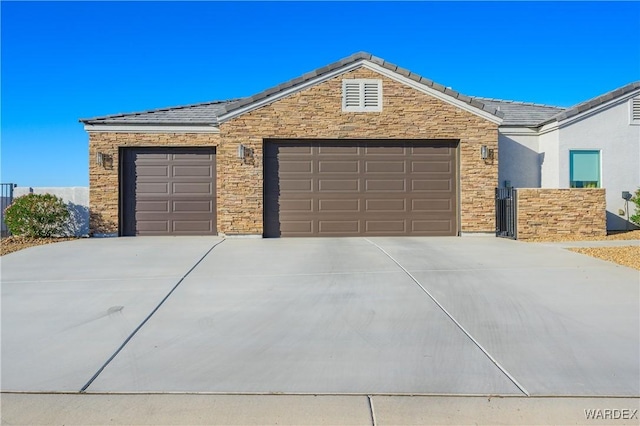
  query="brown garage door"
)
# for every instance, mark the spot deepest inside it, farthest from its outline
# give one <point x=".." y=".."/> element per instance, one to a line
<point x="168" y="191"/>
<point x="356" y="188"/>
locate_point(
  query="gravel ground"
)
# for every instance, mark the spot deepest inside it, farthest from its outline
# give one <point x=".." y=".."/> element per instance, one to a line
<point x="623" y="255"/>
<point x="11" y="244"/>
<point x="617" y="236"/>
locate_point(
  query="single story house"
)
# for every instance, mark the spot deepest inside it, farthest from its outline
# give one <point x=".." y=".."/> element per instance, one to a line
<point x="360" y="147"/>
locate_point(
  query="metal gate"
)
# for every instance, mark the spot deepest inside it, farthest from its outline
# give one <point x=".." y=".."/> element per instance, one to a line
<point x="6" y="198"/>
<point x="506" y="212"/>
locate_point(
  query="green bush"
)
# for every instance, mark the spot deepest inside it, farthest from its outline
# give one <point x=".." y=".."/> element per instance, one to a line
<point x="37" y="215"/>
<point x="636" y="200"/>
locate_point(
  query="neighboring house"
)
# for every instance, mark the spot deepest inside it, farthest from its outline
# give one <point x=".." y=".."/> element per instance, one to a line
<point x="358" y="147"/>
<point x="595" y="144"/>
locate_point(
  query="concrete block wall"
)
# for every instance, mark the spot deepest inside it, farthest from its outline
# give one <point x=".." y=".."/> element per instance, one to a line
<point x="545" y="212"/>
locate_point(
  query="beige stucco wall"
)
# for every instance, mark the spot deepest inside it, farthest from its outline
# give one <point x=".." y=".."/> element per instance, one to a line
<point x="560" y="212"/>
<point x="314" y="113"/>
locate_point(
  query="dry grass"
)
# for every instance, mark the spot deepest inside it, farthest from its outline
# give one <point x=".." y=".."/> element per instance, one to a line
<point x="12" y="244"/>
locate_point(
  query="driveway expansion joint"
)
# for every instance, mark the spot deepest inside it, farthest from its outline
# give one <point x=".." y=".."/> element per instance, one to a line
<point x="475" y="342"/>
<point x="135" y="331"/>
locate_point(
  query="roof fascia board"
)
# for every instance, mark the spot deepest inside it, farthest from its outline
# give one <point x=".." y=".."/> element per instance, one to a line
<point x="432" y="92"/>
<point x="525" y="131"/>
<point x="290" y="91"/>
<point x="131" y="128"/>
<point x="597" y="109"/>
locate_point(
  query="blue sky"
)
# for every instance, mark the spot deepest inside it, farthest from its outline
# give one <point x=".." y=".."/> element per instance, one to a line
<point x="62" y="61"/>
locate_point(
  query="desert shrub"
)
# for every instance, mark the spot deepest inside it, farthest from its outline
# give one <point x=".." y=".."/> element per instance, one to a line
<point x="37" y="215"/>
<point x="635" y="218"/>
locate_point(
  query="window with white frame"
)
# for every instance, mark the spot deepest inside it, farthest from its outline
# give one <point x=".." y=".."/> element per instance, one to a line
<point x="584" y="169"/>
<point x="362" y="95"/>
<point x="634" y="111"/>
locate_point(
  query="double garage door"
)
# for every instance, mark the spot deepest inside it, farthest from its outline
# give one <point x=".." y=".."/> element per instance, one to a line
<point x="311" y="188"/>
<point x="360" y="188"/>
<point x="168" y="191"/>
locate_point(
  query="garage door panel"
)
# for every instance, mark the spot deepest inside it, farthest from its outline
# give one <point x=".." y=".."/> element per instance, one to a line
<point x="192" y="206"/>
<point x="434" y="149"/>
<point x="155" y="171"/>
<point x="431" y="167"/>
<point x="192" y="188"/>
<point x="161" y="226"/>
<point x="336" y="150"/>
<point x="301" y="227"/>
<point x="192" y="157"/>
<point x="432" y="205"/>
<point x="338" y="185"/>
<point x="338" y="166"/>
<point x="152" y="188"/>
<point x="168" y="191"/>
<point x="442" y="226"/>
<point x="361" y="188"/>
<point x="386" y="205"/>
<point x="161" y="206"/>
<point x="431" y="185"/>
<point x="339" y="227"/>
<point x="296" y="185"/>
<point x="342" y="205"/>
<point x="385" y="167"/>
<point x="387" y="185"/>
<point x="386" y="226"/>
<point x="192" y="226"/>
<point x="152" y="157"/>
<point x="189" y="171"/>
<point x="384" y="150"/>
<point x="305" y="205"/>
<point x="296" y="166"/>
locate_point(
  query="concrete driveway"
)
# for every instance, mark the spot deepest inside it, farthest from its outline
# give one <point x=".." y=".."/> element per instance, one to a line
<point x="366" y="316"/>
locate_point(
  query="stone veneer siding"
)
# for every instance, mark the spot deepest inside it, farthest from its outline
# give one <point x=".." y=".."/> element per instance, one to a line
<point x="560" y="212"/>
<point x="313" y="113"/>
<point x="316" y="113"/>
<point x="103" y="182"/>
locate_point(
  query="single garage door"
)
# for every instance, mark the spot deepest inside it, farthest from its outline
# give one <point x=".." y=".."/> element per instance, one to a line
<point x="360" y="188"/>
<point x="168" y="191"/>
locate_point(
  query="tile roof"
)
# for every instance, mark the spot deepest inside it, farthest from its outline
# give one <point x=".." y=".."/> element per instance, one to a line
<point x="521" y="113"/>
<point x="594" y="102"/>
<point x="513" y="113"/>
<point x="195" y="114"/>
<point x="208" y="113"/>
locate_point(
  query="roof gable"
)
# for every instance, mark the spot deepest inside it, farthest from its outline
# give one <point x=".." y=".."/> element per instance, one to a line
<point x="593" y="103"/>
<point x="357" y="60"/>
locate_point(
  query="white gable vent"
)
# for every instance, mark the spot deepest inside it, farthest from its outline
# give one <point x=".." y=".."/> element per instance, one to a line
<point x="362" y="95"/>
<point x="635" y="110"/>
